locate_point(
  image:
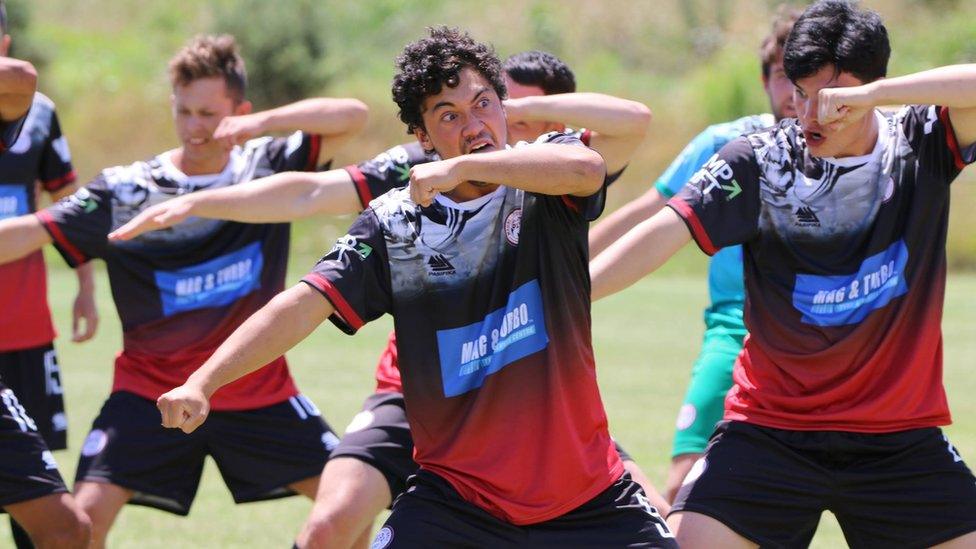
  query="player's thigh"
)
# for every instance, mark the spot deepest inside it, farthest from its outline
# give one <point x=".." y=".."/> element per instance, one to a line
<point x="262" y="452"/>
<point x="56" y="514"/>
<point x="695" y="530"/>
<point x="909" y="488"/>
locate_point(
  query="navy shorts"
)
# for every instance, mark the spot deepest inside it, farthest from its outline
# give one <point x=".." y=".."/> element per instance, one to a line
<point x="35" y="377"/>
<point x="432" y="514"/>
<point x="258" y="452"/>
<point x="903" y="489"/>
<point x="27" y="467"/>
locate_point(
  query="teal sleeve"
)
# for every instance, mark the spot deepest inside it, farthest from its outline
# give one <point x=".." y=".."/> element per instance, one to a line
<point x="692" y="157"/>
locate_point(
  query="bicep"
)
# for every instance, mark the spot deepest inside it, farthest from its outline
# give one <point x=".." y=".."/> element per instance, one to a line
<point x="964" y="124"/>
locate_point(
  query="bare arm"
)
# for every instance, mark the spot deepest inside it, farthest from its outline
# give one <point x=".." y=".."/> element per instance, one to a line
<point x="336" y="119"/>
<point x="642" y="250"/>
<point x="18" y="82"/>
<point x="615" y="225"/>
<point x="274" y="199"/>
<point x="953" y="86"/>
<point x="20" y="236"/>
<point x="277" y="327"/>
<point x="544" y="168"/>
<point x="618" y="125"/>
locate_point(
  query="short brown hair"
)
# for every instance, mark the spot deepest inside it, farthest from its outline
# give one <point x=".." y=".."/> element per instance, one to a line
<point x="772" y="46"/>
<point x="209" y="56"/>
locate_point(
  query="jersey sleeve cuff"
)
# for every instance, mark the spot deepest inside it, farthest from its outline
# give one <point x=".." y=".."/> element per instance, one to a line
<point x="59" y="183"/>
<point x="71" y="253"/>
<point x="362" y="187"/>
<point x="345" y="317"/>
<point x="663" y="189"/>
<point x="688" y="215"/>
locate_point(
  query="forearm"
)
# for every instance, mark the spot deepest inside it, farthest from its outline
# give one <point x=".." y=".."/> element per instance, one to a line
<point x="20" y="236"/>
<point x="323" y="115"/>
<point x="544" y="168"/>
<point x="950" y="86"/>
<point x="277" y="327"/>
<point x="280" y="198"/>
<point x="86" y="279"/>
<point x="606" y="114"/>
<point x="615" y="225"/>
<point x="641" y="251"/>
<point x="18" y="82"/>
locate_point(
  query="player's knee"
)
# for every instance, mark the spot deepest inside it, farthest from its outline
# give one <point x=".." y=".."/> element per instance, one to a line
<point x="323" y="531"/>
<point x="74" y="531"/>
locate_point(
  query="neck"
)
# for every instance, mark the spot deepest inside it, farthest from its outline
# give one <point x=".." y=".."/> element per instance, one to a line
<point x="869" y="136"/>
<point x="470" y="190"/>
<point x="200" y="166"/>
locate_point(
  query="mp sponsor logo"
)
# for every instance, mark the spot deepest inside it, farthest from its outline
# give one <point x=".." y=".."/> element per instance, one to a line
<point x="13" y="200"/>
<point x="513" y="226"/>
<point x="383" y="538"/>
<point x="837" y="300"/>
<point x="94" y="443"/>
<point x="717" y="175"/>
<point x="471" y="353"/>
<point x="349" y="244"/>
<point x="215" y="283"/>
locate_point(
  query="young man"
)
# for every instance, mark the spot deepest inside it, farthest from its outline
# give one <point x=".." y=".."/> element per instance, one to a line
<point x="31" y="489"/>
<point x="28" y="361"/>
<point x="842" y="215"/>
<point x="370" y="466"/>
<point x="711" y="375"/>
<point x="493" y="336"/>
<point x="181" y="292"/>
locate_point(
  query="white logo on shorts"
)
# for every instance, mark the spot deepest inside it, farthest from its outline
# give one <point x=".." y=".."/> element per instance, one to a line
<point x="94" y="443"/>
<point x="361" y="421"/>
<point x="696" y="471"/>
<point x="686" y="417"/>
<point x="513" y="226"/>
<point x="48" y="458"/>
<point x="383" y="538"/>
<point x="330" y="440"/>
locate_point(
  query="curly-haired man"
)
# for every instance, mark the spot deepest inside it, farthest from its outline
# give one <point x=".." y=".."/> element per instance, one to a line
<point x="482" y="262"/>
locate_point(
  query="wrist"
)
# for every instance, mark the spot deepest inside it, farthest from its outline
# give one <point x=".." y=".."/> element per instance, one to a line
<point x="200" y="382"/>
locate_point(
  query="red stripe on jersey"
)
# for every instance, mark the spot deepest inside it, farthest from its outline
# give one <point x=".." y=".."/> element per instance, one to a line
<point x="585" y="137"/>
<point x="697" y="230"/>
<point x="342" y="306"/>
<point x="362" y="188"/>
<point x="951" y="137"/>
<point x="313" y="154"/>
<point x="570" y="203"/>
<point x="59" y="237"/>
<point x="60" y="182"/>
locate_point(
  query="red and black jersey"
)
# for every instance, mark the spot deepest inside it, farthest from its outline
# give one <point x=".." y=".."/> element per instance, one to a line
<point x="491" y="305"/>
<point x="845" y="268"/>
<point x="181" y="291"/>
<point x="39" y="153"/>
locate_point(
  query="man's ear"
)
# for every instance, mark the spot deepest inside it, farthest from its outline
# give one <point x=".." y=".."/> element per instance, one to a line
<point x="244" y="107"/>
<point x="424" y="140"/>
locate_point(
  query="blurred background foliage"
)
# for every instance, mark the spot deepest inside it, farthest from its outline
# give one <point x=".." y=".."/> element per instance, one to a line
<point x="694" y="62"/>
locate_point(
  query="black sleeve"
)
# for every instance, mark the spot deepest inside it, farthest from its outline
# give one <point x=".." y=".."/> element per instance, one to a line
<point x="721" y="203"/>
<point x="589" y="207"/>
<point x="928" y="129"/>
<point x="299" y="152"/>
<point x="354" y="276"/>
<point x="388" y="170"/>
<point x="55" y="169"/>
<point x="80" y="223"/>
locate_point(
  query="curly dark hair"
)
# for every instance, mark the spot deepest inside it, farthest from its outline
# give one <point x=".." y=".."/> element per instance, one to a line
<point x="426" y="65"/>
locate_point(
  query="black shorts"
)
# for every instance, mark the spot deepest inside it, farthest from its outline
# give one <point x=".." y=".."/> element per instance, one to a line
<point x="35" y="377"/>
<point x="904" y="489"/>
<point x="27" y="467"/>
<point x="380" y="436"/>
<point x="432" y="514"/>
<point x="258" y="452"/>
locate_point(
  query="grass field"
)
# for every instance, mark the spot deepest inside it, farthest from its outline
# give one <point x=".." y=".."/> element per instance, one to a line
<point x="646" y="338"/>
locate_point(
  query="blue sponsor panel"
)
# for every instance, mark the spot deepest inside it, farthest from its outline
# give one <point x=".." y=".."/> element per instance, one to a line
<point x="848" y="299"/>
<point x="471" y="353"/>
<point x="13" y="200"/>
<point x="215" y="283"/>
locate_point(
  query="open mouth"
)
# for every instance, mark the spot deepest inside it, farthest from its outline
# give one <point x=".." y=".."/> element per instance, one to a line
<point x="483" y="146"/>
<point x="197" y="141"/>
<point x="813" y="138"/>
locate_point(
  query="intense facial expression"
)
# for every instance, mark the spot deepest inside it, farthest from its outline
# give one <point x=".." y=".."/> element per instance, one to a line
<point x="468" y="118"/>
<point x="857" y="138"/>
<point x="198" y="107"/>
<point x="780" y="90"/>
<point x="521" y="130"/>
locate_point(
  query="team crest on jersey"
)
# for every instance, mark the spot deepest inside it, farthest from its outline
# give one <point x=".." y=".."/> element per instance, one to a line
<point x="513" y="225"/>
<point x="383" y="538"/>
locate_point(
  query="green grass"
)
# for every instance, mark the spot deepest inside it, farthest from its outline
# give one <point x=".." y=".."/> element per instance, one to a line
<point x="646" y="339"/>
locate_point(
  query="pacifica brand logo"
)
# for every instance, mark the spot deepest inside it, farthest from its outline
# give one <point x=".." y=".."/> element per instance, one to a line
<point x="438" y="265"/>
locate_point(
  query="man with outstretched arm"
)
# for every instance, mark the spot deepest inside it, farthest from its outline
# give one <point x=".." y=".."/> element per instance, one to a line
<point x="842" y="215"/>
<point x="711" y="375"/>
<point x="483" y="259"/>
<point x="180" y="292"/>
